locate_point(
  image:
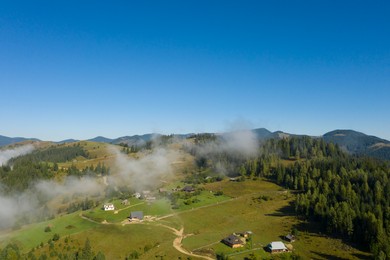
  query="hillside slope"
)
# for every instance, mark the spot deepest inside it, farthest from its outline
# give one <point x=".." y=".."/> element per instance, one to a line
<point x="360" y="144"/>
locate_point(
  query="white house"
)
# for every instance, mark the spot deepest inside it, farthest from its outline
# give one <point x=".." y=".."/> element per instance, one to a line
<point x="276" y="247"/>
<point x="108" y="206"/>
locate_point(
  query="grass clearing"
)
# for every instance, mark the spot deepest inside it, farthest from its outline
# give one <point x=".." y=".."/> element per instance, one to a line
<point x="117" y="242"/>
<point x="156" y="208"/>
<point x="32" y="235"/>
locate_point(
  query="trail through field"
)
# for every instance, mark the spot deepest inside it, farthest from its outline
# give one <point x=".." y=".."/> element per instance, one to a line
<point x="88" y="219"/>
<point x="178" y="245"/>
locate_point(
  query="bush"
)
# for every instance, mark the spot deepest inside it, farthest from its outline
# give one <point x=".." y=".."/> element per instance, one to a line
<point x="133" y="255"/>
<point x="56" y="237"/>
<point x="218" y="193"/>
<point x="47" y="229"/>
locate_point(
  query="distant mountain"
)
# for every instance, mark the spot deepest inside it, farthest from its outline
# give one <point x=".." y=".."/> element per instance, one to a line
<point x="101" y="139"/>
<point x="358" y="143"/>
<point x="4" y="140"/>
<point x="262" y="133"/>
<point x="67" y="141"/>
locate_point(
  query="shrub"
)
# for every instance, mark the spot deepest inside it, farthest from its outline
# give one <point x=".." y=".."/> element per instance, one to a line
<point x="47" y="229"/>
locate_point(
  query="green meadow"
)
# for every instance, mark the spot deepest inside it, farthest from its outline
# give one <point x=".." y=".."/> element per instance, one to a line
<point x="259" y="206"/>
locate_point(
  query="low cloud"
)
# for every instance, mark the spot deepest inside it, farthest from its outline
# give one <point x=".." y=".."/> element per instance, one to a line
<point x="145" y="172"/>
<point x="6" y="155"/>
<point x="241" y="142"/>
<point x="137" y="174"/>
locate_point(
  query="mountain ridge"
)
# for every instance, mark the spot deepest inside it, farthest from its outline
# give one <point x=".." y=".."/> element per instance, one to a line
<point x="5" y="140"/>
<point x="354" y="142"/>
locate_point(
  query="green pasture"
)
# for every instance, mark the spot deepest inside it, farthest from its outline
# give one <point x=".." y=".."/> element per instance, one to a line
<point x="32" y="235"/>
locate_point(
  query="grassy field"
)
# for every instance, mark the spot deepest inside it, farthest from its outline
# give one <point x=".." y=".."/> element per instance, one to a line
<point x="156" y="208"/>
<point x="32" y="235"/>
<point x="117" y="242"/>
<point x="98" y="153"/>
<point x="258" y="206"/>
<point x="267" y="219"/>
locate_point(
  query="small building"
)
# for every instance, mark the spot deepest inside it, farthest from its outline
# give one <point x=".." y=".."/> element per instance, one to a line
<point x="188" y="189"/>
<point x="137" y="195"/>
<point x="245" y="234"/>
<point x="162" y="190"/>
<point x="125" y="202"/>
<point x="277" y="247"/>
<point x="136" y="215"/>
<point x="233" y="241"/>
<point x="234" y="179"/>
<point x="108" y="206"/>
<point x="290" y="238"/>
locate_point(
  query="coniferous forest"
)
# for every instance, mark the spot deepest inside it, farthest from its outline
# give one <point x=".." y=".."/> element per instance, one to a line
<point x="348" y="195"/>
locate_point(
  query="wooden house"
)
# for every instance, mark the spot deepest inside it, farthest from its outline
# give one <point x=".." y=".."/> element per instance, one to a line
<point x="233" y="241"/>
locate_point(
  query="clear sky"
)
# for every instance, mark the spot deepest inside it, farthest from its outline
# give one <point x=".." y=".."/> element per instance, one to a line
<point x="78" y="69"/>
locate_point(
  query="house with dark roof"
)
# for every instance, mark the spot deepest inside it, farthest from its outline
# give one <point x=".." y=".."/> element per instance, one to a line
<point x="233" y="241"/>
<point x="188" y="189"/>
<point x="136" y="215"/>
<point x="290" y="238"/>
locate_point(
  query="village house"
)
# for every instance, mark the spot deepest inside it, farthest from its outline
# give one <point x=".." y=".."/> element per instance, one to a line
<point x="290" y="238"/>
<point x="233" y="241"/>
<point x="188" y="189"/>
<point x="277" y="247"/>
<point x="108" y="206"/>
<point x="137" y="195"/>
<point x="136" y="216"/>
<point x="125" y="202"/>
<point x="162" y="190"/>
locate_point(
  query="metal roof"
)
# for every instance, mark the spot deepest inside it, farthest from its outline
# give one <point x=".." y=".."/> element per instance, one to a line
<point x="278" y="245"/>
<point x="137" y="214"/>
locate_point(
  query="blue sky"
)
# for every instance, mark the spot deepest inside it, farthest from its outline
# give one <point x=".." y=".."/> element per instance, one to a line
<point x="78" y="70"/>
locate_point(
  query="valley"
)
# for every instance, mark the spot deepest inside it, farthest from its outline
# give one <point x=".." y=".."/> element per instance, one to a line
<point x="178" y="222"/>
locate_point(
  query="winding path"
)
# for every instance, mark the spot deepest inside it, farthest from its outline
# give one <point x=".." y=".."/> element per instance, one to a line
<point x="176" y="242"/>
<point x="179" y="246"/>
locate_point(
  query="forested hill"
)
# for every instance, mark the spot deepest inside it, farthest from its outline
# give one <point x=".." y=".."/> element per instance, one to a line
<point x="359" y="143"/>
